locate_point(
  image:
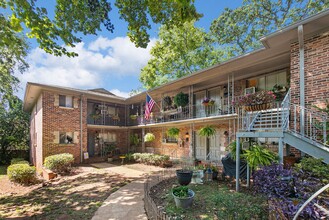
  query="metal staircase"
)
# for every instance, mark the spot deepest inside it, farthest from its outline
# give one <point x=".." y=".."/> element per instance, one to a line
<point x="303" y="128"/>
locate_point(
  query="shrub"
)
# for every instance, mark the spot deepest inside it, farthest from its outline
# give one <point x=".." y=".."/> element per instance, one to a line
<point x="21" y="173"/>
<point x="152" y="159"/>
<point x="59" y="163"/>
<point x="314" y="167"/>
<point x="18" y="161"/>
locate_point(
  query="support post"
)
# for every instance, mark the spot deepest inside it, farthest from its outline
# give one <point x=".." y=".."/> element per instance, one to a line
<point x="248" y="175"/>
<point x="143" y="143"/>
<point x="237" y="174"/>
<point x="301" y="78"/>
<point x="281" y="150"/>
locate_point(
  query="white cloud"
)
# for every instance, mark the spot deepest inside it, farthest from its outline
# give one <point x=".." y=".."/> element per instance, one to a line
<point x="102" y="60"/>
<point x="120" y="93"/>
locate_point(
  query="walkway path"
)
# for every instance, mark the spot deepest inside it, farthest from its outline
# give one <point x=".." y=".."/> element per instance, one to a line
<point x="127" y="202"/>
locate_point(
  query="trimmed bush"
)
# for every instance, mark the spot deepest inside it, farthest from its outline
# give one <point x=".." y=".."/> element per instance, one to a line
<point x="59" y="163"/>
<point x="152" y="159"/>
<point x="18" y="161"/>
<point x="21" y="173"/>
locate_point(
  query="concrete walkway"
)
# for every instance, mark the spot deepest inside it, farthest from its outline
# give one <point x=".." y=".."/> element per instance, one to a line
<point x="127" y="202"/>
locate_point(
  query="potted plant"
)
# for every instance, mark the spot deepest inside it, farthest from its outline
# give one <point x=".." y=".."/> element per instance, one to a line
<point x="256" y="101"/>
<point x="207" y="101"/>
<point x="184" y="175"/>
<point x="108" y="150"/>
<point x="183" y="196"/>
<point x="181" y="99"/>
<point x="149" y="137"/>
<point x="173" y="132"/>
<point x="167" y="102"/>
<point x="214" y="172"/>
<point x="207" y="131"/>
<point x="133" y="117"/>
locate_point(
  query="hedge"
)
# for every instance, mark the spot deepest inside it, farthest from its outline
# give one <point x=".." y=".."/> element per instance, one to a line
<point x="148" y="158"/>
<point x="59" y="163"/>
<point x="18" y="161"/>
<point x="21" y="173"/>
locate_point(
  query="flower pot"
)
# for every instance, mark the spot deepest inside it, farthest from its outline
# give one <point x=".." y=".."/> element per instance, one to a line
<point x="110" y="159"/>
<point x="214" y="175"/>
<point x="184" y="177"/>
<point x="184" y="202"/>
<point x="197" y="177"/>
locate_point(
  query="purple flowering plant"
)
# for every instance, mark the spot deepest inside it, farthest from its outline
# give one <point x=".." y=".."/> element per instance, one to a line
<point x="287" y="190"/>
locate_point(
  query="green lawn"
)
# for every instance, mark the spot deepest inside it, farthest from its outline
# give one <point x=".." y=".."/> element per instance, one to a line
<point x="3" y="171"/>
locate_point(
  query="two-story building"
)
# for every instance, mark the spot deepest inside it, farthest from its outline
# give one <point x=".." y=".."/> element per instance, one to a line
<point x="296" y="58"/>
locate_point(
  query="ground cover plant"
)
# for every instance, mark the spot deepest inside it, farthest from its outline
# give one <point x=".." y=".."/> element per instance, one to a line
<point x="74" y="197"/>
<point x="288" y="189"/>
<point x="213" y="200"/>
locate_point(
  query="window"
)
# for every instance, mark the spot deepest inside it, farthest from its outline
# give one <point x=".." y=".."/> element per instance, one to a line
<point x="66" y="101"/>
<point x="66" y="137"/>
<point x="267" y="82"/>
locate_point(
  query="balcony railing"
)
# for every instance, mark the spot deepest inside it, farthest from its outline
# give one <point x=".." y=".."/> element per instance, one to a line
<point x="184" y="113"/>
<point x="106" y="120"/>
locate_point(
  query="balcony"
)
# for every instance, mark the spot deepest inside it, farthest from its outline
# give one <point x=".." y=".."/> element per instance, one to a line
<point x="184" y="113"/>
<point x="106" y="120"/>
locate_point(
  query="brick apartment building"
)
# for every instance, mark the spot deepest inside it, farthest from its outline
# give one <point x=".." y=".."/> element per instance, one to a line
<point x="296" y="57"/>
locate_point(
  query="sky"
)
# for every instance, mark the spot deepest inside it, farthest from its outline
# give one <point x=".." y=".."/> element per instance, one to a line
<point x="108" y="60"/>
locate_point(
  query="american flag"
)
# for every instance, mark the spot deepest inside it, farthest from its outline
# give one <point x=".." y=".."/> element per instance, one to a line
<point x="148" y="106"/>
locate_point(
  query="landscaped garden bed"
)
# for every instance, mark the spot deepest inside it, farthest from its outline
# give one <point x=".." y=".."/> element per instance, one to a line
<point x="275" y="193"/>
<point x="213" y="200"/>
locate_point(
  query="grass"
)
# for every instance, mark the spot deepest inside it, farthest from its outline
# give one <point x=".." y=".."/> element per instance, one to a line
<point x="3" y="171"/>
<point x="217" y="201"/>
<point x="77" y="198"/>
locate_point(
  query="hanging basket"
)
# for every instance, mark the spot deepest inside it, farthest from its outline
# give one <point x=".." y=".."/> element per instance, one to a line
<point x="250" y="108"/>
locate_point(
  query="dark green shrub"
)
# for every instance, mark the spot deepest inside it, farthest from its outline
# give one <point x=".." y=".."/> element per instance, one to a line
<point x="59" y="163"/>
<point x="314" y="167"/>
<point x="21" y="173"/>
<point x="18" y="161"/>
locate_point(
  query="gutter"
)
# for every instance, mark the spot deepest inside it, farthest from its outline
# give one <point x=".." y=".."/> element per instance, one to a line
<point x="81" y="148"/>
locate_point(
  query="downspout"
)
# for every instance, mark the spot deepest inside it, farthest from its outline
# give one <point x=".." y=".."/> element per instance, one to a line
<point x="301" y="78"/>
<point x="81" y="145"/>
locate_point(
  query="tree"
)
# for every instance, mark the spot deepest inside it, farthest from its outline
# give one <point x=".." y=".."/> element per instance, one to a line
<point x="240" y="29"/>
<point x="13" y="50"/>
<point x="180" y="51"/>
<point x="14" y="132"/>
<point x="72" y="18"/>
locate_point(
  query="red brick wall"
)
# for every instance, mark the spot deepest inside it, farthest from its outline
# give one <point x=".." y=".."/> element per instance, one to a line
<point x="316" y="70"/>
<point x="61" y="119"/>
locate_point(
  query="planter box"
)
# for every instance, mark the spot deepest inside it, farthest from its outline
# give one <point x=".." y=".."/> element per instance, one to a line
<point x="48" y="174"/>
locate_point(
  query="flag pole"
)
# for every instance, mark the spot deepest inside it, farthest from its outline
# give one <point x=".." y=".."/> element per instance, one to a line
<point x="154" y="100"/>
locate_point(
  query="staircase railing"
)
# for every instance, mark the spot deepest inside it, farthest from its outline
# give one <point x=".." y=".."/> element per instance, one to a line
<point x="314" y="126"/>
<point x="274" y="118"/>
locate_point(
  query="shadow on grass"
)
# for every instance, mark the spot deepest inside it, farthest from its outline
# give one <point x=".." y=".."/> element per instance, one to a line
<point x="77" y="198"/>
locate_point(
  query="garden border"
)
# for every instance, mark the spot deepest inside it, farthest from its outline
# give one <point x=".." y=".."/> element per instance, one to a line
<point x="151" y="209"/>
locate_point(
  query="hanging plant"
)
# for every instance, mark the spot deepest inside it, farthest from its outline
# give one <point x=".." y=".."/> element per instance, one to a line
<point x="181" y="99"/>
<point x="173" y="132"/>
<point x="167" y="102"/>
<point x="207" y="131"/>
<point x="259" y="156"/>
<point x="149" y="137"/>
